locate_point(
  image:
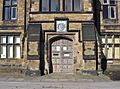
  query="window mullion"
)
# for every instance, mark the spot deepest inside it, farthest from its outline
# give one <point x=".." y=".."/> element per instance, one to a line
<point x="108" y="11"/>
<point x="63" y="5"/>
<point x="72" y="5"/>
<point x="6" y="50"/>
<point x="13" y="51"/>
<point x="6" y="46"/>
<point x="49" y="5"/>
<point x="40" y="5"/>
<point x="0" y="47"/>
<point x="10" y="9"/>
<point x="13" y="46"/>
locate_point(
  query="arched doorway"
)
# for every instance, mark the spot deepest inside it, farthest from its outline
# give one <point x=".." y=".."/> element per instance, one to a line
<point x="61" y="55"/>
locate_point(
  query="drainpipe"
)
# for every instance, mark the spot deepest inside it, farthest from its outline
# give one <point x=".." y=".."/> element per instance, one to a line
<point x="101" y="54"/>
<point x="25" y="19"/>
<point x="23" y="40"/>
<point x="97" y="33"/>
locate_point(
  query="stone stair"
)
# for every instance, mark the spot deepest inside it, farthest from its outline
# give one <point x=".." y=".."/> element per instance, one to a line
<point x="10" y="69"/>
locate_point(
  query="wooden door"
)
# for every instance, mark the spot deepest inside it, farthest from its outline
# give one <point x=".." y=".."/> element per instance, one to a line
<point x="62" y="56"/>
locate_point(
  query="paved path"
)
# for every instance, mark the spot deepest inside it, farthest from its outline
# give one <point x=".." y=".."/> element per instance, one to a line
<point x="59" y="85"/>
<point x="54" y="78"/>
<point x="57" y="81"/>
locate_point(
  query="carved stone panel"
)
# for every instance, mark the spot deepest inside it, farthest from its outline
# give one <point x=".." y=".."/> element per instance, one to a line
<point x="33" y="48"/>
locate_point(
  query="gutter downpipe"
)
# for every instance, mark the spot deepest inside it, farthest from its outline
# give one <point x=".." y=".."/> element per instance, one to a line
<point x="23" y="40"/>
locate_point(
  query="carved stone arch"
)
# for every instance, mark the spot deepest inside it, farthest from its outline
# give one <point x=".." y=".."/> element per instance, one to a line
<point x="70" y="37"/>
<point x="61" y="38"/>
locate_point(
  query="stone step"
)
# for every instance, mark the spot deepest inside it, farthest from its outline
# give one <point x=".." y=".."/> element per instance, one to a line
<point x="89" y="72"/>
<point x="10" y="70"/>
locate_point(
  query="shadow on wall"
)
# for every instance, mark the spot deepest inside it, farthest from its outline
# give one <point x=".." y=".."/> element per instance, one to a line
<point x="103" y="63"/>
<point x="42" y="60"/>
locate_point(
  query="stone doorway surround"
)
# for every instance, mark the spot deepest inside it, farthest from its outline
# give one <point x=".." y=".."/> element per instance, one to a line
<point x="51" y="37"/>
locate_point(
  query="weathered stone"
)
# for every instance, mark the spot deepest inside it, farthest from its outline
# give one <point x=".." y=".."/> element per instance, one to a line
<point x="47" y="22"/>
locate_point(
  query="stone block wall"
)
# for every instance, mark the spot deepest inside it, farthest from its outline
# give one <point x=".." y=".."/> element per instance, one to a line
<point x="16" y="26"/>
<point x="111" y="28"/>
<point x="47" y="23"/>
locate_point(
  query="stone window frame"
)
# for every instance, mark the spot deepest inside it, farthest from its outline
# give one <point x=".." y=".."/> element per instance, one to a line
<point x="109" y="8"/>
<point x="63" y="6"/>
<point x="7" y="44"/>
<point x="114" y="8"/>
<point x="107" y="1"/>
<point x="11" y="6"/>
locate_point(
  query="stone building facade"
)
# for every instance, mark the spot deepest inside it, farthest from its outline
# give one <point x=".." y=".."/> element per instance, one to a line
<point x="11" y="32"/>
<point x="49" y="35"/>
<point x="110" y="30"/>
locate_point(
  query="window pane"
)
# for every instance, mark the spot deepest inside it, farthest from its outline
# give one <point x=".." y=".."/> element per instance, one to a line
<point x="3" y="51"/>
<point x="10" y="39"/>
<point x="103" y="39"/>
<point x="112" y="14"/>
<point x="88" y="32"/>
<point x="77" y="6"/>
<point x="7" y="2"/>
<point x="68" y="5"/>
<point x="117" y="39"/>
<point x="105" y="1"/>
<point x="17" y="39"/>
<point x="54" y="5"/>
<point x="57" y="48"/>
<point x="14" y="13"/>
<point x="112" y="2"/>
<point x="117" y="52"/>
<point x="110" y="51"/>
<point x="109" y="39"/>
<point x="45" y="5"/>
<point x="14" y="2"/>
<point x="10" y="51"/>
<point x="3" y="39"/>
<point x="104" y="51"/>
<point x="64" y="48"/>
<point x="17" y="52"/>
<point x="7" y="13"/>
<point x="105" y="11"/>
